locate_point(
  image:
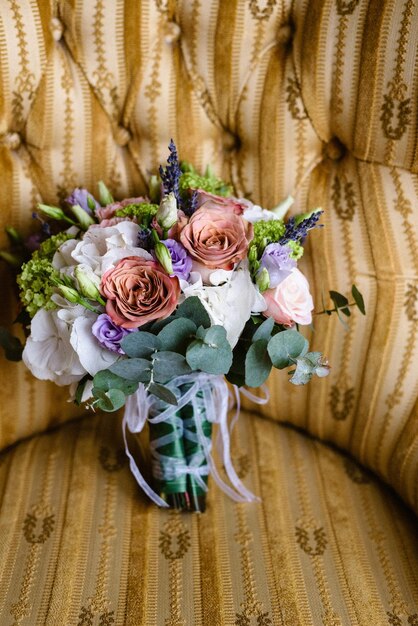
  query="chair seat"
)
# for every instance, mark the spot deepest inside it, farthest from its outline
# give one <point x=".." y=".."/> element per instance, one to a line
<point x="80" y="544"/>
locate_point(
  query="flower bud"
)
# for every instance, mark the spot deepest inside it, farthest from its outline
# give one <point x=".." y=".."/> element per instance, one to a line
<point x="89" y="288"/>
<point x="104" y="194"/>
<point x="164" y="257"/>
<point x="69" y="293"/>
<point x="15" y="260"/>
<point x="252" y="254"/>
<point x="166" y="215"/>
<point x="53" y="211"/>
<point x="13" y="235"/>
<point x="82" y="217"/>
<point x="263" y="280"/>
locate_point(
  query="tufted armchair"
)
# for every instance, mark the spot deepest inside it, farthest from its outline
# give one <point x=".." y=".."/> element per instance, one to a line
<point x="317" y="98"/>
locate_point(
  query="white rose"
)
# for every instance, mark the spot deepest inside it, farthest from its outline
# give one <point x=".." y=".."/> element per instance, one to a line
<point x="230" y="305"/>
<point x="100" y="248"/>
<point x="48" y="352"/>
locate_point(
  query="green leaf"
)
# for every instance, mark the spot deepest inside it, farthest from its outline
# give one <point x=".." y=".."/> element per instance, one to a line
<point x="211" y="352"/>
<point x="109" y="401"/>
<point x="340" y="302"/>
<point x="105" y="380"/>
<point x="358" y="299"/>
<point x="264" y="330"/>
<point x="160" y="324"/>
<point x="235" y="379"/>
<point x="11" y="345"/>
<point x="285" y="347"/>
<point x="193" y="309"/>
<point x="132" y="369"/>
<point x="80" y="389"/>
<point x="257" y="364"/>
<point x="177" y="335"/>
<point x="163" y="393"/>
<point x="167" y="365"/>
<point x="140" y="344"/>
<point x="303" y="372"/>
<point x="105" y="197"/>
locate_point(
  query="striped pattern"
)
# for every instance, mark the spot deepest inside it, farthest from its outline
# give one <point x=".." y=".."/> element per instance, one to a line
<point x="315" y="98"/>
<point x="328" y="544"/>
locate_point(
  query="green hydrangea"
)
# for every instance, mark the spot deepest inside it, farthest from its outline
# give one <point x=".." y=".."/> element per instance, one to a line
<point x="190" y="179"/>
<point x="49" y="247"/>
<point x="297" y="249"/>
<point x="144" y="212"/>
<point x="36" y="282"/>
<point x="267" y="232"/>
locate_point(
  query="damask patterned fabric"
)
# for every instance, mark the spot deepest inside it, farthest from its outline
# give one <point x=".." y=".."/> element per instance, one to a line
<point x="314" y="98"/>
<point x="80" y="545"/>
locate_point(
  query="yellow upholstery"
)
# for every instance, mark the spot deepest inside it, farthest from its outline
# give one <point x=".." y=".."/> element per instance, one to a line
<point x="80" y="545"/>
<point x="314" y="98"/>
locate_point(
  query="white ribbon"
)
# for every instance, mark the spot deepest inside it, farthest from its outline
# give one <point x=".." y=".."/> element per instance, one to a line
<point x="211" y="404"/>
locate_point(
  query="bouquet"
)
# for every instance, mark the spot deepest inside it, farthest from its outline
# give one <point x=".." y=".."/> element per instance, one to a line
<point x="152" y="303"/>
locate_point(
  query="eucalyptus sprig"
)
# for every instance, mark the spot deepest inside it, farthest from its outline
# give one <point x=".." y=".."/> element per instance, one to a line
<point x="342" y="304"/>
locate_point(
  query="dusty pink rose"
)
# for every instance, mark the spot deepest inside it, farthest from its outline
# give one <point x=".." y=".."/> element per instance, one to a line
<point x="216" y="238"/>
<point x="290" y="301"/>
<point x="108" y="211"/>
<point x="138" y="291"/>
<point x="228" y="205"/>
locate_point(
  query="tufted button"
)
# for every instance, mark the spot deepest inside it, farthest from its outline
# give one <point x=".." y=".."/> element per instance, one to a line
<point x="285" y="34"/>
<point x="57" y="28"/>
<point x="12" y="141"/>
<point x="230" y="142"/>
<point x="122" y="136"/>
<point x="172" y="32"/>
<point x="334" y="149"/>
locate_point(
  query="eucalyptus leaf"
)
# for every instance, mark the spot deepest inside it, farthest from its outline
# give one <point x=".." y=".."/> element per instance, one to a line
<point x="109" y="401"/>
<point x="193" y="309"/>
<point x="167" y="365"/>
<point x="285" y="347"/>
<point x="358" y="299"/>
<point x="212" y="354"/>
<point x="106" y="380"/>
<point x="140" y="344"/>
<point x="177" y="335"/>
<point x="303" y="372"/>
<point x="131" y="368"/>
<point x="80" y="389"/>
<point x="340" y="302"/>
<point x="257" y="364"/>
<point x="163" y="393"/>
<point x="264" y="330"/>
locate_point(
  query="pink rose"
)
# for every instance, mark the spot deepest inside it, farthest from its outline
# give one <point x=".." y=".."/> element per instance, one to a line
<point x="216" y="238"/>
<point x="290" y="301"/>
<point x="107" y="212"/>
<point x="138" y="291"/>
<point x="227" y="205"/>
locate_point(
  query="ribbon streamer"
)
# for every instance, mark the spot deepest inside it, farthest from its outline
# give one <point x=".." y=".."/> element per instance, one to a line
<point x="210" y="399"/>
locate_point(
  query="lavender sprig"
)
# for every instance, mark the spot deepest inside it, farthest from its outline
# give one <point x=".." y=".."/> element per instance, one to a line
<point x="145" y="239"/>
<point x="298" y="231"/>
<point x="190" y="207"/>
<point x="171" y="174"/>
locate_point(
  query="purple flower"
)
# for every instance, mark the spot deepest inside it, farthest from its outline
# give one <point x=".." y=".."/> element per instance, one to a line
<point x="109" y="334"/>
<point x="182" y="263"/>
<point x="84" y="199"/>
<point x="277" y="261"/>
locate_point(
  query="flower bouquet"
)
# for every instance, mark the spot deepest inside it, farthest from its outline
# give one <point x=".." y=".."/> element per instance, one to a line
<point x="150" y="303"/>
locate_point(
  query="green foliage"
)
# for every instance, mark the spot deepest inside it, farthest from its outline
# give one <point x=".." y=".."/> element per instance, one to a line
<point x="286" y="346"/>
<point x="132" y="369"/>
<point x="257" y="364"/>
<point x="264" y="330"/>
<point x="11" y="345"/>
<point x="163" y="393"/>
<point x="109" y="401"/>
<point x="177" y="335"/>
<point x="140" y="345"/>
<point x="193" y="309"/>
<point x="306" y="366"/>
<point x="210" y="352"/>
<point x="265" y="233"/>
<point x="358" y="299"/>
<point x="166" y="365"/>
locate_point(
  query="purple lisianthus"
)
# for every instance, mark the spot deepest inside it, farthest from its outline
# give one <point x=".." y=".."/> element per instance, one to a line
<point x="277" y="261"/>
<point x="182" y="263"/>
<point x="109" y="334"/>
<point x="84" y="199"/>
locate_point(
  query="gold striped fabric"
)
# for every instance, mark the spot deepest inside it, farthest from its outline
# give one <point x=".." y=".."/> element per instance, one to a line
<point x="328" y="544"/>
<point x="317" y="98"/>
